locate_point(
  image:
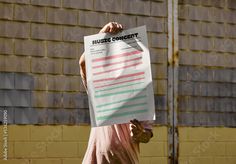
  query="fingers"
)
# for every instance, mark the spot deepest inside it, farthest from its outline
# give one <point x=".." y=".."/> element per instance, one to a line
<point x="116" y="27"/>
<point x="112" y="27"/>
<point x="137" y="124"/>
<point x="138" y="131"/>
<point x="135" y="130"/>
<point x="120" y="26"/>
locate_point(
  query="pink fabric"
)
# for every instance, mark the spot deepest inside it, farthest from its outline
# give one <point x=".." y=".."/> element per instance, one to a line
<point x="112" y="144"/>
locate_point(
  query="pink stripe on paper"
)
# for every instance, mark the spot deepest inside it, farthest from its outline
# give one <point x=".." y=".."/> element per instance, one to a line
<point x="135" y="64"/>
<point x="126" y="61"/>
<point x="119" y="82"/>
<point x="124" y="76"/>
<point x="116" y="56"/>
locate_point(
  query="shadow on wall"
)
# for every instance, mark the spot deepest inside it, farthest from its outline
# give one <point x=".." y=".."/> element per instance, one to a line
<point x="18" y="102"/>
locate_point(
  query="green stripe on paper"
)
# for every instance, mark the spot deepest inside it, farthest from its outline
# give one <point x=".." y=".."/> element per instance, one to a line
<point x="117" y="93"/>
<point x="121" y="114"/>
<point x="119" y="87"/>
<point x="122" y="107"/>
<point x="124" y="100"/>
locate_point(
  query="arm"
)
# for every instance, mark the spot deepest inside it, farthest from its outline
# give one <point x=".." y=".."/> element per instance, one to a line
<point x="83" y="70"/>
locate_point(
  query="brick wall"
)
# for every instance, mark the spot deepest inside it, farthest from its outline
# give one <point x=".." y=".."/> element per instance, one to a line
<point x="207" y="86"/>
<point x="156" y="151"/>
<point x="207" y="145"/>
<point x="63" y="144"/>
<point x="207" y="63"/>
<point x="40" y="45"/>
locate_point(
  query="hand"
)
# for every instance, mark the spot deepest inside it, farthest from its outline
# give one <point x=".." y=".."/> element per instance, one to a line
<point x="140" y="134"/>
<point x="112" y="27"/>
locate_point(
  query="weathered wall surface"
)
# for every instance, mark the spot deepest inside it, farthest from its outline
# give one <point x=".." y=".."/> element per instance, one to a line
<point x="207" y="145"/>
<point x="40" y="45"/>
<point x="207" y="81"/>
<point x="207" y="63"/>
<point x="41" y="42"/>
<point x="63" y="144"/>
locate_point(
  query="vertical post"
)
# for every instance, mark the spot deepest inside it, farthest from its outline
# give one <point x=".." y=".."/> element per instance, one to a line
<point x="175" y="78"/>
<point x="170" y="86"/>
<point x="173" y="63"/>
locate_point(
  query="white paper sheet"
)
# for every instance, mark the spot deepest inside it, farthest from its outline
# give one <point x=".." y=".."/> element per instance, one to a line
<point x="119" y="77"/>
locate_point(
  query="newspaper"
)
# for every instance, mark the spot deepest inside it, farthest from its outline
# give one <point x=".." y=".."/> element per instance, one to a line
<point x="119" y="78"/>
